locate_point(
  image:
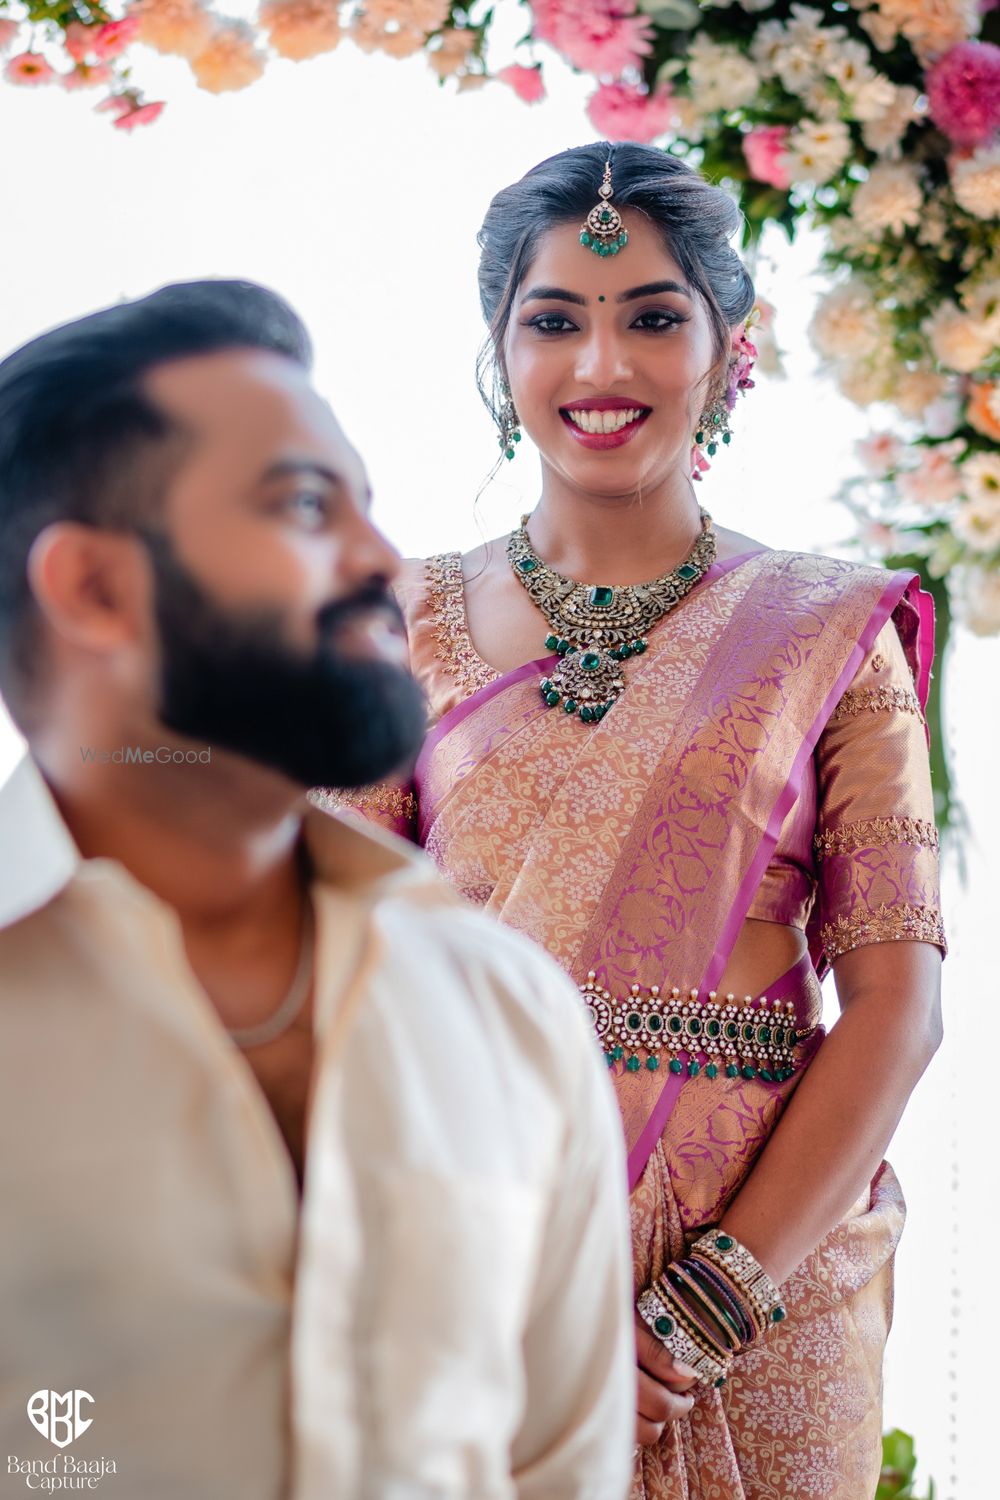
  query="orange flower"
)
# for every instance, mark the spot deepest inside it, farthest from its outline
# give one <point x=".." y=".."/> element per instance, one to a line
<point x="983" y="410"/>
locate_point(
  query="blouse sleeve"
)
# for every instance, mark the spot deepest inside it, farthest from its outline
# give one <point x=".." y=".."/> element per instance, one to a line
<point x="390" y="806"/>
<point x="876" y="846"/>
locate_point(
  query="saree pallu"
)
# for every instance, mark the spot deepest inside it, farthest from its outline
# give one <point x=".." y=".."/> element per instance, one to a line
<point x="632" y="850"/>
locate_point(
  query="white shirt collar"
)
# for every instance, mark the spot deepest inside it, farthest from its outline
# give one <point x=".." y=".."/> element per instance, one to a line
<point x="41" y="856"/>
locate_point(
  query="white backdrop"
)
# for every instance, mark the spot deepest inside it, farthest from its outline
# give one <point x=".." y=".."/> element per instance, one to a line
<point x="321" y="182"/>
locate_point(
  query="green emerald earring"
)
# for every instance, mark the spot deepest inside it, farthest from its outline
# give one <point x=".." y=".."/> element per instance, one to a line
<point x="603" y="232"/>
<point x="509" y="424"/>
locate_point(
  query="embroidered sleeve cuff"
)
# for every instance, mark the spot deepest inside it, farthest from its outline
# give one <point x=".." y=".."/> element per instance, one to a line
<point x="378" y="801"/>
<point x="886" y="924"/>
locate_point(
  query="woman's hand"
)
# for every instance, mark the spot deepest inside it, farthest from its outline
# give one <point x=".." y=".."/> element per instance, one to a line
<point x="663" y="1383"/>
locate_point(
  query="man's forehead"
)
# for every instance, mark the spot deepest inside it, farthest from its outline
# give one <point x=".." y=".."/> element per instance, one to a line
<point x="256" y="397"/>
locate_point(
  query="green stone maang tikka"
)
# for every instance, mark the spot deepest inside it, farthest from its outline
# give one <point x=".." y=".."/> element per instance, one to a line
<point x="604" y="232"/>
<point x="595" y="628"/>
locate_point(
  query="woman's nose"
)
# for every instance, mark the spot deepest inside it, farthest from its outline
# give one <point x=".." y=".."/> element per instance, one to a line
<point x="602" y="361"/>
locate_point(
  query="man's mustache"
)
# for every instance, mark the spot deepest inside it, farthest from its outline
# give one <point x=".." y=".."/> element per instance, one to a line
<point x="373" y="599"/>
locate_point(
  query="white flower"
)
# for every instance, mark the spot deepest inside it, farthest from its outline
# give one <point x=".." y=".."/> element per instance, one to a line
<point x="981" y="300"/>
<point x="883" y="133"/>
<point x="847" y="325"/>
<point x="981" y="479"/>
<point x="720" y="77"/>
<point x="936" y="481"/>
<point x="864" y="382"/>
<point x="978" y="525"/>
<point x="890" y="199"/>
<point x="871" y="98"/>
<point x="795" y="68"/>
<point x="767" y="45"/>
<point x="975" y="181"/>
<point x="958" y="341"/>
<point x="880" y="453"/>
<point x="941" y="416"/>
<point x="882" y="31"/>
<point x="817" y="150"/>
<point x="915" y="390"/>
<point x="978" y="599"/>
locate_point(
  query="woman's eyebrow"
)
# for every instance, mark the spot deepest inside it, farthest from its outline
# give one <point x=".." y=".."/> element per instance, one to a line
<point x="553" y="294"/>
<point x="652" y="289"/>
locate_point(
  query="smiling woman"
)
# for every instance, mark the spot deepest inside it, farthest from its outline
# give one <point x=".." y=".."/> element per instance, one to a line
<point x="694" y="769"/>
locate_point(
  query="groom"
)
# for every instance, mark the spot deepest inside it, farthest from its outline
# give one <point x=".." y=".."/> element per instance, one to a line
<point x="311" y="1185"/>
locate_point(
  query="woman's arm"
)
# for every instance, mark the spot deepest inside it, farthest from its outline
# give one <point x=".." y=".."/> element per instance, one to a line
<point x="830" y="1140"/>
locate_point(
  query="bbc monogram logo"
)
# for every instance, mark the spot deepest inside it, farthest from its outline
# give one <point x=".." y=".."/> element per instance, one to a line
<point x="58" y="1417"/>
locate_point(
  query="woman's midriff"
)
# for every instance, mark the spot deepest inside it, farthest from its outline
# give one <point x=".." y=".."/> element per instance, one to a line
<point x="763" y="952"/>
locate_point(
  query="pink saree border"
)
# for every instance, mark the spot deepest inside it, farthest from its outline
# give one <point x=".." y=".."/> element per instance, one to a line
<point x="896" y="589"/>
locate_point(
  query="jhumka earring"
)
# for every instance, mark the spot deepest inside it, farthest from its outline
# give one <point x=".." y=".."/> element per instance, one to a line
<point x="714" y="427"/>
<point x="603" y="232"/>
<point x="509" y="424"/>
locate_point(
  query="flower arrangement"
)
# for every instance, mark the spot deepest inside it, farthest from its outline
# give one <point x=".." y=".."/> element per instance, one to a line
<point x="86" y="44"/>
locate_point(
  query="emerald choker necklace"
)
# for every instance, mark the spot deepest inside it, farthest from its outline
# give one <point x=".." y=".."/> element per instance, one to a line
<point x="595" y="628"/>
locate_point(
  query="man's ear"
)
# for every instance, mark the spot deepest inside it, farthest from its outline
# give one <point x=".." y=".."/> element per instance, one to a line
<point x="91" y="585"/>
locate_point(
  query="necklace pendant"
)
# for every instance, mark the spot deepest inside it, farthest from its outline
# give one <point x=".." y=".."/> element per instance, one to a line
<point x="586" y="682"/>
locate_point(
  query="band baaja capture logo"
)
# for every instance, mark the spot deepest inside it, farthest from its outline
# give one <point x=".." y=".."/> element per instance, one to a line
<point x="60" y="1419"/>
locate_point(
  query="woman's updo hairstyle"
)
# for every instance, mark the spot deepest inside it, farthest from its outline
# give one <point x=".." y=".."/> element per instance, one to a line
<point x="696" y="220"/>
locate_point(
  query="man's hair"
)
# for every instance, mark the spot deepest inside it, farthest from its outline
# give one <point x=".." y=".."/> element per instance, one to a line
<point x="81" y="440"/>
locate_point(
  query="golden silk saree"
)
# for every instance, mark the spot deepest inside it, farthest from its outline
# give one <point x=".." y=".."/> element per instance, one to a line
<point x="633" y="850"/>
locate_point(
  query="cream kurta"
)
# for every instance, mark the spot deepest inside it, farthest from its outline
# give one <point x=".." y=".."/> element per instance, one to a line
<point x="453" y="1304"/>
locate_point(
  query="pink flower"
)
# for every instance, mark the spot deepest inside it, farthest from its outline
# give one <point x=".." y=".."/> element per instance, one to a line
<point x="77" y="40"/>
<point x="626" y="112"/>
<point x="8" y="31"/>
<point x="963" y="92"/>
<point x="699" y="463"/>
<point x="111" y="39"/>
<point x="145" y="114"/>
<point x="764" y="149"/>
<point x="603" y="37"/>
<point x="29" y="68"/>
<point x="549" y="15"/>
<point x="87" y="76"/>
<point x="526" y="82"/>
<point x="881" y="453"/>
<point x="116" y="104"/>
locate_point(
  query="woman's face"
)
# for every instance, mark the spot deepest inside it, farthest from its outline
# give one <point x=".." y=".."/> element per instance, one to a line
<point x="607" y="360"/>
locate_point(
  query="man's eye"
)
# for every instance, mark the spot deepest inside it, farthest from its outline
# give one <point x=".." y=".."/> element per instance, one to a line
<point x="309" y="506"/>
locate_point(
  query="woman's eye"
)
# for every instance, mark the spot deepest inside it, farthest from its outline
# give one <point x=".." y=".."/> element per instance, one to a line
<point x="552" y="323"/>
<point x="657" y="321"/>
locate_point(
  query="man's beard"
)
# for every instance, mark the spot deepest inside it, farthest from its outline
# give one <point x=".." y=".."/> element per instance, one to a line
<point x="321" y="717"/>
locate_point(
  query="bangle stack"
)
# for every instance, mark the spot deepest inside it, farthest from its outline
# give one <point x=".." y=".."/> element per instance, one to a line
<point x="710" y="1306"/>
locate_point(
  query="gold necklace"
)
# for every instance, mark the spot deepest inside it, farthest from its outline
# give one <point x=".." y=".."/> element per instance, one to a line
<point x="596" y="627"/>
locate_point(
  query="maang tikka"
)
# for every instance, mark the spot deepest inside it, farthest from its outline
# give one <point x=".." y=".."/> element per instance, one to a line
<point x="604" y="233"/>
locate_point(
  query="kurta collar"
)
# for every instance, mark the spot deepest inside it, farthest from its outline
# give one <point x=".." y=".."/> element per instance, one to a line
<point x="40" y="856"/>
